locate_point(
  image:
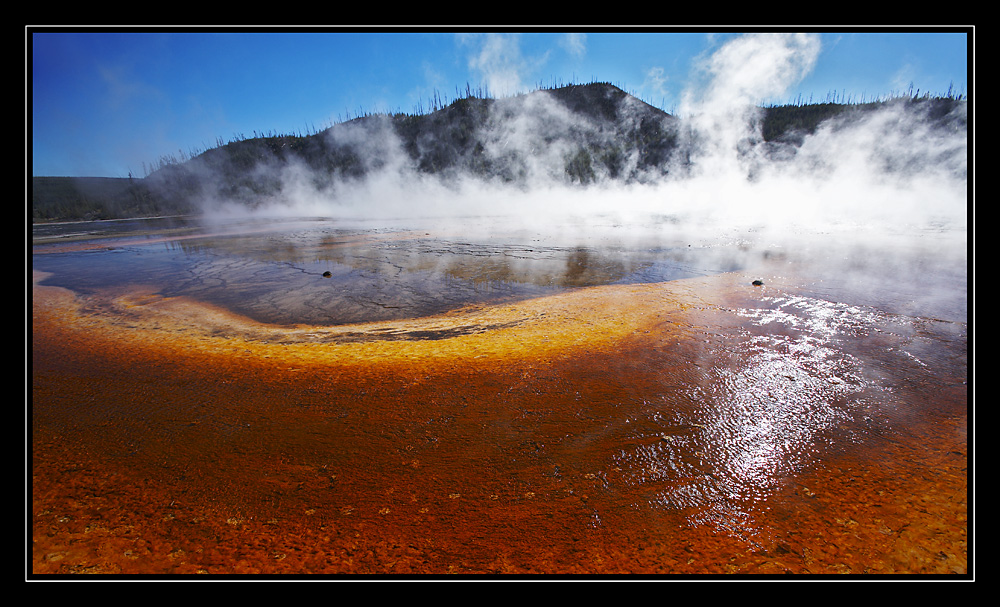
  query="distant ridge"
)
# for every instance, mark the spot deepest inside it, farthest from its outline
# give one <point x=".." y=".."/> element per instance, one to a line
<point x="575" y="135"/>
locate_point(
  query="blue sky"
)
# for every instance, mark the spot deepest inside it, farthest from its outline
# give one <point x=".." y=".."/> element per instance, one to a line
<point x="104" y="103"/>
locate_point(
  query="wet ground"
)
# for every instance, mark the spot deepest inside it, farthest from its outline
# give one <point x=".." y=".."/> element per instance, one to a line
<point x="310" y="397"/>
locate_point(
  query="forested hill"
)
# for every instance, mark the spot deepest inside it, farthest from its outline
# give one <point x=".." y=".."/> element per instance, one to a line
<point x="578" y="135"/>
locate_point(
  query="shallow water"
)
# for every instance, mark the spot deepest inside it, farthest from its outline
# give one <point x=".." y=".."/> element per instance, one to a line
<point x="615" y="400"/>
<point x="273" y="270"/>
<point x="323" y="272"/>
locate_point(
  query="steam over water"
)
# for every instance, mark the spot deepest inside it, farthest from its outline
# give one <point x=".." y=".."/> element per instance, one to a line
<point x="873" y="205"/>
<point x="722" y="397"/>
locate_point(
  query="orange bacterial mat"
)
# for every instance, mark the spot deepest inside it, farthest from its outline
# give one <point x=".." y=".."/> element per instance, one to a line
<point x="704" y="426"/>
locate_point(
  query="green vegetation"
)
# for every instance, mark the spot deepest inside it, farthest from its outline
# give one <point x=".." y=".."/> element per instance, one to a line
<point x="90" y="198"/>
<point x="792" y="122"/>
<point x="600" y="133"/>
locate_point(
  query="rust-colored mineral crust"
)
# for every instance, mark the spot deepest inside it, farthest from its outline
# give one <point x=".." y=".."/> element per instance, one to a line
<point x="701" y="426"/>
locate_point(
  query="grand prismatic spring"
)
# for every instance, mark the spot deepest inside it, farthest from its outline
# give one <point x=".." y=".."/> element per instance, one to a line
<point x="322" y="397"/>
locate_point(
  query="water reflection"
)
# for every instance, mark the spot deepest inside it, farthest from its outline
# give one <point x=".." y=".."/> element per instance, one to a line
<point x="698" y="415"/>
<point x="322" y="272"/>
<point x="775" y="387"/>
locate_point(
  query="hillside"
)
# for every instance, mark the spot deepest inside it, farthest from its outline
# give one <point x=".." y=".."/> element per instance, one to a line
<point x="575" y="135"/>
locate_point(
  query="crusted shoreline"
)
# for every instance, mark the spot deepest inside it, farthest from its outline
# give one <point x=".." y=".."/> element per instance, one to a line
<point x="619" y="423"/>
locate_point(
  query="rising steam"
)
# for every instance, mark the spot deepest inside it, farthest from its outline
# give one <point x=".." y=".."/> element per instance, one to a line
<point x="874" y="172"/>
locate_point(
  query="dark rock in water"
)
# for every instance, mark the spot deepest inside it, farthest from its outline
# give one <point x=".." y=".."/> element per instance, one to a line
<point x="327" y="274"/>
<point x="758" y="283"/>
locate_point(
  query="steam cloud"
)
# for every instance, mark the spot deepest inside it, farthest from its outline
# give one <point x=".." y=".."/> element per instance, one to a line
<point x="887" y="170"/>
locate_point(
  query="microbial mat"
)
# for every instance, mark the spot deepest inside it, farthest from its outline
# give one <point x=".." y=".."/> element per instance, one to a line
<point x="596" y="397"/>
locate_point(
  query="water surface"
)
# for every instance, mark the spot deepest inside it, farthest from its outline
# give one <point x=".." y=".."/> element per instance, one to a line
<point x="635" y="401"/>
